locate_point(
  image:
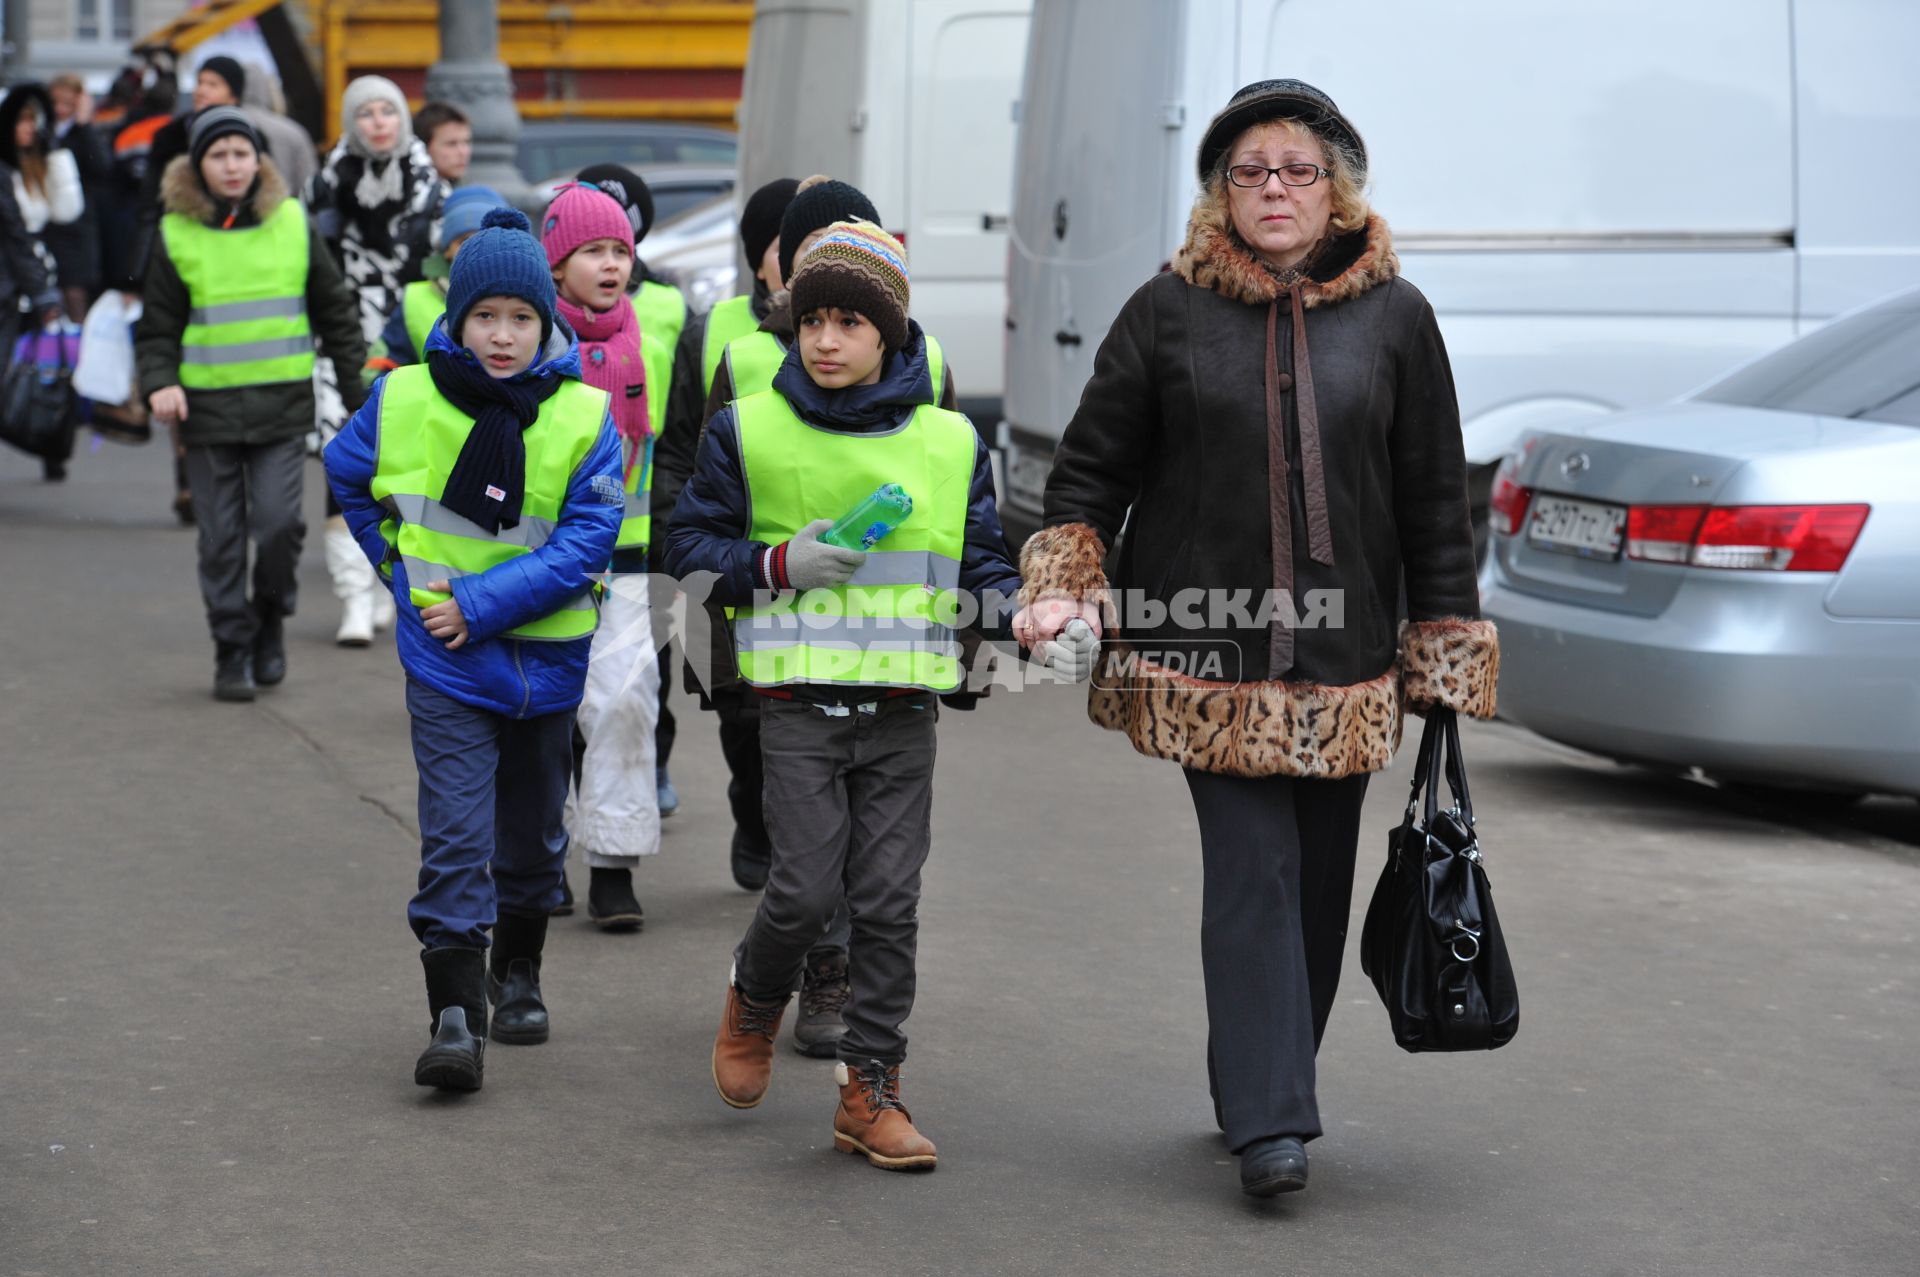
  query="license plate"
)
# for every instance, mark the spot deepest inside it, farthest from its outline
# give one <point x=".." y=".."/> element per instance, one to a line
<point x="1584" y="528"/>
<point x="1027" y="479"/>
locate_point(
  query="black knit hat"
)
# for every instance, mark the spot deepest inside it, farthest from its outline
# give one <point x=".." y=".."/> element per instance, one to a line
<point x="627" y="187"/>
<point x="214" y="123"/>
<point x="1280" y="100"/>
<point x="760" y="219"/>
<point x="231" y="71"/>
<point x="818" y="203"/>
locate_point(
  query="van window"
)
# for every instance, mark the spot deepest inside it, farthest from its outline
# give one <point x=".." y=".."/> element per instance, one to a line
<point x="1865" y="367"/>
<point x="1516" y="116"/>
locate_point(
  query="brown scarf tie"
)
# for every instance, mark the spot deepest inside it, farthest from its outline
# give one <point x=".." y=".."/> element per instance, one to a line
<point x="1280" y="479"/>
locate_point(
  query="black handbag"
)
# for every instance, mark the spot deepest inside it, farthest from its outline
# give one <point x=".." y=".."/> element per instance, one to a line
<point x="1432" y="941"/>
<point x="37" y="398"/>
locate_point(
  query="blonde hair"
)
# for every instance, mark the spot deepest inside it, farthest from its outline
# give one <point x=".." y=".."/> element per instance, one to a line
<point x="1350" y="210"/>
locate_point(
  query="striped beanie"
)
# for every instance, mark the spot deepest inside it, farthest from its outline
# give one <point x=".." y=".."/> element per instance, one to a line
<point x="856" y="266"/>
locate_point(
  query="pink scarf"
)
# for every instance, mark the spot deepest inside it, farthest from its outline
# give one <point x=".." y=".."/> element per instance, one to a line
<point x="610" y="361"/>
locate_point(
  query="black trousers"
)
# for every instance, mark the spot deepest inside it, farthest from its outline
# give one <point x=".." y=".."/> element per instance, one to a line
<point x="739" y="713"/>
<point x="1278" y="856"/>
<point x="851" y="801"/>
<point x="242" y="492"/>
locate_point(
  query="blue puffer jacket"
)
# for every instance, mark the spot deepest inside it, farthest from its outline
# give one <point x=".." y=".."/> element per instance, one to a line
<point x="508" y="676"/>
<point x="709" y="526"/>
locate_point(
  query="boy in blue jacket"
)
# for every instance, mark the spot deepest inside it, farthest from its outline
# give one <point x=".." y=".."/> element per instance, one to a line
<point x="850" y="669"/>
<point x="485" y="486"/>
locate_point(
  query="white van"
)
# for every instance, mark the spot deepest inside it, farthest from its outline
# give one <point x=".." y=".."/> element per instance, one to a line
<point x="1607" y="201"/>
<point x="912" y="102"/>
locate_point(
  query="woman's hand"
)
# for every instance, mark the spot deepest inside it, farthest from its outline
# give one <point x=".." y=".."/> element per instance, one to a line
<point x="443" y="620"/>
<point x="1042" y="622"/>
<point x="168" y="404"/>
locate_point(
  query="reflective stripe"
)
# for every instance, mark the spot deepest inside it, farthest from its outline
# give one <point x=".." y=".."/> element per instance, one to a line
<point x="425" y="512"/>
<point x="240" y="312"/>
<point x="908" y="567"/>
<point x="759" y="631"/>
<point x="420" y="572"/>
<point x="246" y="352"/>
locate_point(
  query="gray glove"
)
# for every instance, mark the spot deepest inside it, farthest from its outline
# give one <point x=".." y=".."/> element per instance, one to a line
<point x="1071" y="654"/>
<point x="812" y="564"/>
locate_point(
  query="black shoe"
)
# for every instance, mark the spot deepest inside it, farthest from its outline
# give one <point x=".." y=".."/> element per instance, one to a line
<point x="269" y="646"/>
<point x="749" y="862"/>
<point x="1275" y="1165"/>
<point x="611" y="904"/>
<point x="54" y="471"/>
<point x="513" y="980"/>
<point x="233" y="673"/>
<point x="456" y="998"/>
<point x="183" y="508"/>
<point x="565" y="908"/>
<point x="823" y="992"/>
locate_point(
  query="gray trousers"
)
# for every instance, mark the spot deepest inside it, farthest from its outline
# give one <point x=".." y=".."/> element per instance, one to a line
<point x="242" y="492"/>
<point x="849" y="807"/>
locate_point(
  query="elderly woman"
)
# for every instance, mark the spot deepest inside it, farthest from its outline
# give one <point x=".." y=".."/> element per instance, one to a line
<point x="1278" y="414"/>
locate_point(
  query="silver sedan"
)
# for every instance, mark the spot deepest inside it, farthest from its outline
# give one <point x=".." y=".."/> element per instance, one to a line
<point x="1730" y="582"/>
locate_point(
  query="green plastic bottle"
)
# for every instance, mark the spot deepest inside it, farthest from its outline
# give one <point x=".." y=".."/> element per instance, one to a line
<point x="872" y="519"/>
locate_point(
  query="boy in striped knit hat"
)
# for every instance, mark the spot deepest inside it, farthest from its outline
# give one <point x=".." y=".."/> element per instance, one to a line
<point x="849" y="651"/>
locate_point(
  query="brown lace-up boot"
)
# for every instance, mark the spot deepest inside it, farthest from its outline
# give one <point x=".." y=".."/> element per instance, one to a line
<point x="871" y="1120"/>
<point x="743" y="1053"/>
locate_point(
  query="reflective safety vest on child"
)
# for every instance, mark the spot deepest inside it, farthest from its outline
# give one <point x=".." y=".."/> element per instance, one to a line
<point x="421" y="435"/>
<point x="893" y="624"/>
<point x="247" y="325"/>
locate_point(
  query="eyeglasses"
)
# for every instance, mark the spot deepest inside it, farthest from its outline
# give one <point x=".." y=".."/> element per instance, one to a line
<point x="1255" y="175"/>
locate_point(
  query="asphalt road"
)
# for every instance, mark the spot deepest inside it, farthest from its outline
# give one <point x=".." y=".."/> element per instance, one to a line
<point x="211" y="1003"/>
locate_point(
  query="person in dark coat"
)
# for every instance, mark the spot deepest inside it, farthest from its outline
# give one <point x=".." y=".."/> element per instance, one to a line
<point x="76" y="245"/>
<point x="243" y="422"/>
<point x="32" y="188"/>
<point x="1278" y="414"/>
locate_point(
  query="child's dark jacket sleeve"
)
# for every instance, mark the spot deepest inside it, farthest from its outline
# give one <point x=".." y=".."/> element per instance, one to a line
<point x="708" y="532"/>
<point x="985" y="570"/>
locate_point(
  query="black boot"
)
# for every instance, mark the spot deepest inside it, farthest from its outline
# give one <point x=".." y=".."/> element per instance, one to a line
<point x="269" y="644"/>
<point x="1275" y="1165"/>
<point x="749" y="862"/>
<point x="823" y="994"/>
<point x="513" y="980"/>
<point x="611" y="904"/>
<point x="233" y="673"/>
<point x="565" y="908"/>
<point x="457" y="1000"/>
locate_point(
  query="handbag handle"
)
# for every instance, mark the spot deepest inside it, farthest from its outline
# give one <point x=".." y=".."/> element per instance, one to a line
<point x="1457" y="769"/>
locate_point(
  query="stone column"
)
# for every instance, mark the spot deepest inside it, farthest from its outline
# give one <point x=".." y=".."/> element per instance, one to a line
<point x="470" y="75"/>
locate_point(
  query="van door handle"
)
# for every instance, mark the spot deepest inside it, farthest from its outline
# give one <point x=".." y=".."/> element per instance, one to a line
<point x="1067" y="337"/>
<point x="994" y="221"/>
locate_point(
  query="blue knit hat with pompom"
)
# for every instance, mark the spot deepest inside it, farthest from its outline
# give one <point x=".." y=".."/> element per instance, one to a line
<point x="501" y="259"/>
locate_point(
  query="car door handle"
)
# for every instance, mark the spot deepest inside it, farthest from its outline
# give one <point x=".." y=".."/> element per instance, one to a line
<point x="1067" y="337"/>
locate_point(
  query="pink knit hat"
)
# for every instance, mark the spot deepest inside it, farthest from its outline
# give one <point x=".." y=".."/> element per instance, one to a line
<point x="578" y="215"/>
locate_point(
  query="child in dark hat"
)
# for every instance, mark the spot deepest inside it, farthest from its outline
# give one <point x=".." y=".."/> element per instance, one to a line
<point x="237" y="287"/>
<point x="485" y="487"/>
<point x="847" y="718"/>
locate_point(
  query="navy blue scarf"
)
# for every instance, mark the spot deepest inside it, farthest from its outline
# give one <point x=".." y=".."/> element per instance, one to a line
<point x="491" y="475"/>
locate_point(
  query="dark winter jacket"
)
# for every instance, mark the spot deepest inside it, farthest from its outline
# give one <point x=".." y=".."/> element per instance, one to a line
<point x="26" y="268"/>
<point x="1175" y="426"/>
<point x="708" y="532"/>
<point x="169" y="144"/>
<point x="250" y="414"/>
<point x="76" y="245"/>
<point x="517" y="677"/>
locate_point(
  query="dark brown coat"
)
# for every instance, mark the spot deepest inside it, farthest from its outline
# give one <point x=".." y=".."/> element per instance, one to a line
<point x="1174" y="426"/>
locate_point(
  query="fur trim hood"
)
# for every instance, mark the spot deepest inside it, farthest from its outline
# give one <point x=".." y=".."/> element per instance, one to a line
<point x="1216" y="258"/>
<point x="181" y="191"/>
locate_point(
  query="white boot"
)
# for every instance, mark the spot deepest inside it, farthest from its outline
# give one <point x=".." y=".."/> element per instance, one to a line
<point x="353" y="583"/>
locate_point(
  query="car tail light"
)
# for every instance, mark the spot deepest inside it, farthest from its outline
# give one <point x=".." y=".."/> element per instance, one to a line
<point x="1778" y="538"/>
<point x="1663" y="533"/>
<point x="1507" y="507"/>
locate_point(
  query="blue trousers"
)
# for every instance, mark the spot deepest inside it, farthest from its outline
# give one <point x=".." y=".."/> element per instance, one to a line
<point x="493" y="797"/>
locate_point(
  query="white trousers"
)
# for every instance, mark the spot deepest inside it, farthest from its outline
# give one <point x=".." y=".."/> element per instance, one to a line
<point x="616" y="808"/>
